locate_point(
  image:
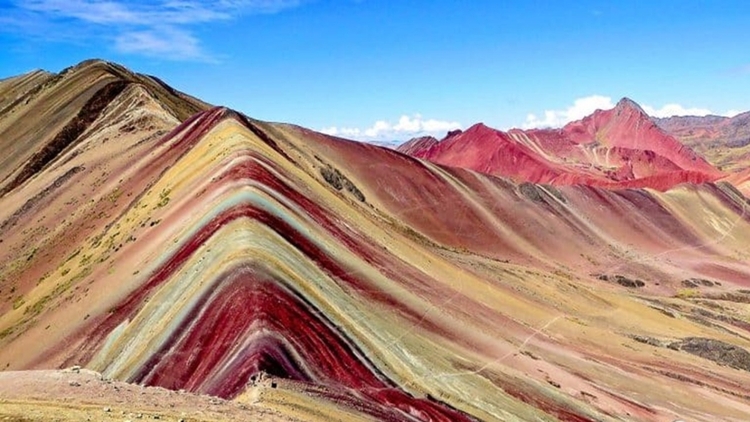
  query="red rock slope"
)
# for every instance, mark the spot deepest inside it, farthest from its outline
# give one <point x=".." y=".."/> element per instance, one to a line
<point x="616" y="148"/>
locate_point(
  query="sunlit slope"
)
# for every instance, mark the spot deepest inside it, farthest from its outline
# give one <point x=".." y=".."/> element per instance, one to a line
<point x="44" y="115"/>
<point x="363" y="281"/>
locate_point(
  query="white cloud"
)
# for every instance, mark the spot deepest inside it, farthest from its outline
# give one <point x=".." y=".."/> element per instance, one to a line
<point x="344" y="132"/>
<point x="581" y="108"/>
<point x="406" y="127"/>
<point x="168" y="42"/>
<point x="101" y="12"/>
<point x="153" y="12"/>
<point x="669" y="110"/>
<point x="584" y="106"/>
<point x="380" y="127"/>
<point x="160" y="26"/>
<point x="731" y="113"/>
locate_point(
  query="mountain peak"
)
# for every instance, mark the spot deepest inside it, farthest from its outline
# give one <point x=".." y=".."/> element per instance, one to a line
<point x="479" y="128"/>
<point x="100" y="65"/>
<point x="627" y="104"/>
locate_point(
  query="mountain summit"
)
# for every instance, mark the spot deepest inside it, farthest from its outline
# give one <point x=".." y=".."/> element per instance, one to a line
<point x="627" y="105"/>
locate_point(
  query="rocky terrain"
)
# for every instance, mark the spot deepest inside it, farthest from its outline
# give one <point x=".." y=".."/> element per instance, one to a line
<point x="76" y="394"/>
<point x="723" y="141"/>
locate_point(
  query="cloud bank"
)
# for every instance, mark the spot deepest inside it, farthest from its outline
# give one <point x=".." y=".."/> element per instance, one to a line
<point x="405" y="128"/>
<point x="582" y="107"/>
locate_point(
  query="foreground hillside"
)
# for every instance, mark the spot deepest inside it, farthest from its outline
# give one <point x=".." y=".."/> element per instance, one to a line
<point x="82" y="395"/>
<point x="315" y="278"/>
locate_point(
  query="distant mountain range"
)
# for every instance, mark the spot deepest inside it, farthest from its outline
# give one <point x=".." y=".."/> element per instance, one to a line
<point x="618" y="148"/>
<point x="393" y="144"/>
<point x="724" y="141"/>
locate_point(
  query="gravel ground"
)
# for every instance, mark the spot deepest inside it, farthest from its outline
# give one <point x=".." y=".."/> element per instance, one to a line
<point x="82" y="395"/>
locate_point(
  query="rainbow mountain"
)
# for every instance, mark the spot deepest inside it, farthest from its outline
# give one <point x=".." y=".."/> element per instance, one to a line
<point x="159" y="241"/>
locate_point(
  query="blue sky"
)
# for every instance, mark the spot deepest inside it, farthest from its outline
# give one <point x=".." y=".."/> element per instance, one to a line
<point x="393" y="69"/>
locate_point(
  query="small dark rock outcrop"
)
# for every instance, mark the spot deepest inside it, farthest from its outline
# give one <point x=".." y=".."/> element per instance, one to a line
<point x="453" y="133"/>
<point x="338" y="181"/>
<point x="531" y="191"/>
<point x="715" y="350"/>
<point x="692" y="283"/>
<point x="622" y="280"/>
<point x="651" y="341"/>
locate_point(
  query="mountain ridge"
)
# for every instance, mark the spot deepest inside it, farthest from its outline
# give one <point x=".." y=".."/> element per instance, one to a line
<point x="69" y="124"/>
<point x="620" y="147"/>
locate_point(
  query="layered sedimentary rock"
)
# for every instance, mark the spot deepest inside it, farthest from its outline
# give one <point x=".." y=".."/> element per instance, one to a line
<point x="323" y="278"/>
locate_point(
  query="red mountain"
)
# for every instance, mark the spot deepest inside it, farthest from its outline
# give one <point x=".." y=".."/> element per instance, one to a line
<point x="616" y="148"/>
<point x="417" y="144"/>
